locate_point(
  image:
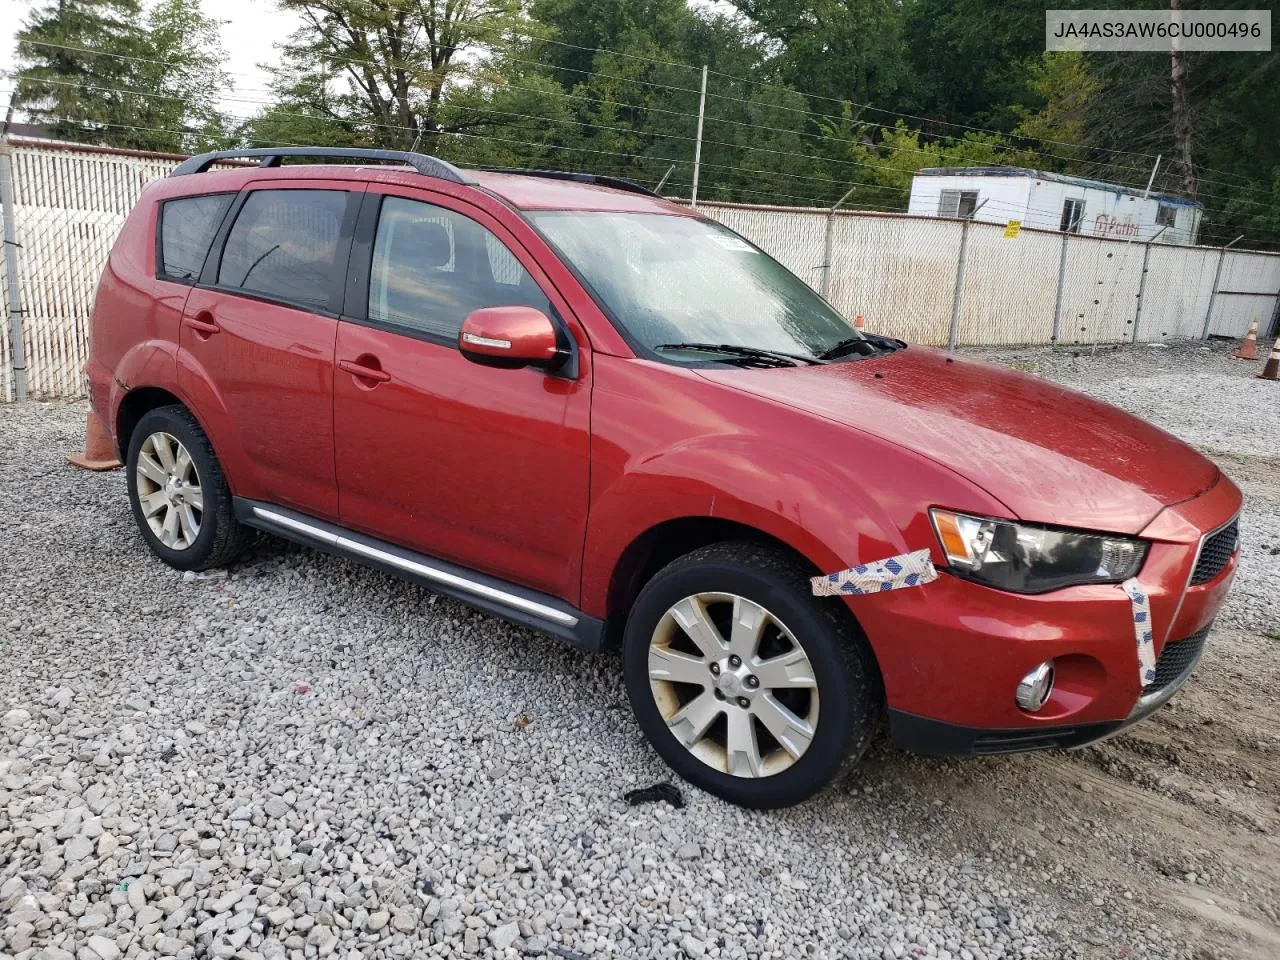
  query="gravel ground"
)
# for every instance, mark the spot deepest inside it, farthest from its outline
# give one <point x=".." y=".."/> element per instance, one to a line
<point x="307" y="758"/>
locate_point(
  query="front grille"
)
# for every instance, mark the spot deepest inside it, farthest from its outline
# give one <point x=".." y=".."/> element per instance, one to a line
<point x="1176" y="660"/>
<point x="1215" y="553"/>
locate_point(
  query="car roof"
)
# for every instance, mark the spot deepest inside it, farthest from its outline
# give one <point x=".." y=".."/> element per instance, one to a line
<point x="534" y="190"/>
<point x="531" y="192"/>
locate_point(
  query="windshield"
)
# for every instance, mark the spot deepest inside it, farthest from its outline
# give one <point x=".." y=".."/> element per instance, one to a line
<point x="673" y="280"/>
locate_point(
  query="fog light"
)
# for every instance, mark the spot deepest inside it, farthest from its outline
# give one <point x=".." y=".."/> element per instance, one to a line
<point x="1035" y="687"/>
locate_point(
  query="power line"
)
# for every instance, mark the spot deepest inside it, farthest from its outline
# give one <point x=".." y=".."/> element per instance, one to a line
<point x="566" y="121"/>
<point x="806" y="113"/>
<point x="538" y="38"/>
<point x="400" y="128"/>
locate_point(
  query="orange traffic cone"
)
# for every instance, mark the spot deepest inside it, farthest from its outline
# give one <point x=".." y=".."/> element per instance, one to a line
<point x="1249" y="349"/>
<point x="1272" y="370"/>
<point x="858" y="323"/>
<point x="99" y="451"/>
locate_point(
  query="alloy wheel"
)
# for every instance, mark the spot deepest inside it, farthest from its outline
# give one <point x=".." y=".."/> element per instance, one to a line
<point x="169" y="492"/>
<point x="733" y="684"/>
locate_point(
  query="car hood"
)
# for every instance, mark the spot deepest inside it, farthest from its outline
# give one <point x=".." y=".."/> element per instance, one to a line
<point x="1051" y="455"/>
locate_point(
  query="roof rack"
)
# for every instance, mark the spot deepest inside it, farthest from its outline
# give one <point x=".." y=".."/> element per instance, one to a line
<point x="616" y="183"/>
<point x="271" y="157"/>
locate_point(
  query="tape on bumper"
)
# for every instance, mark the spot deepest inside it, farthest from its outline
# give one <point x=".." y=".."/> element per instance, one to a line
<point x="908" y="570"/>
<point x="1141" y="604"/>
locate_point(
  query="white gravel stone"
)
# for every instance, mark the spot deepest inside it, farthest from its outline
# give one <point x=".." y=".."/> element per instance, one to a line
<point x="307" y="758"/>
<point x="104" y="948"/>
<point x="504" y="936"/>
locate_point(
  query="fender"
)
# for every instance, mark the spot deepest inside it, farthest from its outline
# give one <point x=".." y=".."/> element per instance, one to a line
<point x="819" y="508"/>
<point x="166" y="366"/>
<point x="146" y="364"/>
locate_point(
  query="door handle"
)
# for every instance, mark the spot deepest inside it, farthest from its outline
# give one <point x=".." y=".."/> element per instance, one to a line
<point x="203" y="325"/>
<point x="365" y="368"/>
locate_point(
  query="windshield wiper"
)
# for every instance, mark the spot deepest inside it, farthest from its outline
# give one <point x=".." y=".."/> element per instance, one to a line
<point x="864" y="345"/>
<point x="751" y="353"/>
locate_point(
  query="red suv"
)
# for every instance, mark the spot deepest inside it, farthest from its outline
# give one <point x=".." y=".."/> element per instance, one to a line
<point x="580" y="407"/>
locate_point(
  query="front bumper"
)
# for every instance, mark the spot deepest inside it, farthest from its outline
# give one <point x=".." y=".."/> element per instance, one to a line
<point x="951" y="653"/>
<point x="939" y="738"/>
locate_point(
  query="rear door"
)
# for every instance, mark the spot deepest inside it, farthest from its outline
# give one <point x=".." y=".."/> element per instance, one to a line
<point x="484" y="467"/>
<point x="258" y="337"/>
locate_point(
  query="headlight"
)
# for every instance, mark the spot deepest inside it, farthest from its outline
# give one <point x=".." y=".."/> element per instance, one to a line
<point x="1030" y="559"/>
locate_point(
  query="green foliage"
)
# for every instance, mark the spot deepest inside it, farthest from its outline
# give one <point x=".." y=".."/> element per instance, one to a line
<point x="890" y="162"/>
<point x="834" y="49"/>
<point x="378" y="70"/>
<point x="97" y="71"/>
<point x="805" y="98"/>
<point x="66" y="80"/>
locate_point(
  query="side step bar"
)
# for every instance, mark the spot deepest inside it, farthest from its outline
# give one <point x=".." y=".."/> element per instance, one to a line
<point x="517" y="604"/>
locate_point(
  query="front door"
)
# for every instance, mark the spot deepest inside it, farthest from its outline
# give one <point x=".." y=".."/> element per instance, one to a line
<point x="258" y="337"/>
<point x="484" y="467"/>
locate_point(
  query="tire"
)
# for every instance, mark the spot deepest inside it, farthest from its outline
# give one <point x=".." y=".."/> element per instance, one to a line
<point x="735" y="581"/>
<point x="219" y="537"/>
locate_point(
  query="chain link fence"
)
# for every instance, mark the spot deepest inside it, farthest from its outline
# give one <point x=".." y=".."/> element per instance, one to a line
<point x="923" y="279"/>
<point x="940" y="281"/>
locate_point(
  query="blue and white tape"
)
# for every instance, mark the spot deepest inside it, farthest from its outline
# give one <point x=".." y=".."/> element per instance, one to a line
<point x="1142" y="632"/>
<point x="908" y="570"/>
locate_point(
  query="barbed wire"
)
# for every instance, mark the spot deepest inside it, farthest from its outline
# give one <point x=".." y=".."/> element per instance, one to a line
<point x="536" y="37"/>
<point x="796" y="110"/>
<point x="1217" y="198"/>
<point x="563" y="121"/>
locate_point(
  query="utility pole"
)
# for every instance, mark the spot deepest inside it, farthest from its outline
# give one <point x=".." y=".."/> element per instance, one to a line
<point x="13" y="273"/>
<point x="697" y="148"/>
<point x="1142" y="282"/>
<point x="954" y="336"/>
<point x="829" y="242"/>
<point x="1213" y="294"/>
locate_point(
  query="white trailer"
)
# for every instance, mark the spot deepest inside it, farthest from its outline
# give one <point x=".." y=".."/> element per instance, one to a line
<point x="1053" y="201"/>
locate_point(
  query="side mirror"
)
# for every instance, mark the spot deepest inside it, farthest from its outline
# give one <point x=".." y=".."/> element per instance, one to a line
<point x="510" y="337"/>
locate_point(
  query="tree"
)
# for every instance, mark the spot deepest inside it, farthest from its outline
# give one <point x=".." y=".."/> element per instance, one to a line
<point x="397" y="58"/>
<point x="73" y="77"/>
<point x="891" y="161"/>
<point x="833" y="50"/>
<point x="1069" y="92"/>
<point x="183" y="77"/>
<point x="969" y="60"/>
<point x="96" y="71"/>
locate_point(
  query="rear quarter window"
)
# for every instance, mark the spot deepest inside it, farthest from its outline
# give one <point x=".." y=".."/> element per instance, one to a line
<point x="187" y="227"/>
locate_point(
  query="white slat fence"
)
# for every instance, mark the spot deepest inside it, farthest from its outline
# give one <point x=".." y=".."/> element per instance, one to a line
<point x="898" y="271"/>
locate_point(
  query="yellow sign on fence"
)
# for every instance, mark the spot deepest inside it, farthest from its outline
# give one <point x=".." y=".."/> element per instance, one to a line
<point x="1011" y="228"/>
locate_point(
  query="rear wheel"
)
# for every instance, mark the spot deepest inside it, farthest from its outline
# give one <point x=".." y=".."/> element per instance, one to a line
<point x="179" y="497"/>
<point x="746" y="684"/>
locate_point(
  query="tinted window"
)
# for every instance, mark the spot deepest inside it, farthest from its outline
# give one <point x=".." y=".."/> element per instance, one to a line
<point x="284" y="244"/>
<point x="671" y="279"/>
<point x="431" y="267"/>
<point x="187" y="227"/>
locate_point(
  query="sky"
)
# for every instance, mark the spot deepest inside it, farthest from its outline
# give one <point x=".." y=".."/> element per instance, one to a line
<point x="250" y="30"/>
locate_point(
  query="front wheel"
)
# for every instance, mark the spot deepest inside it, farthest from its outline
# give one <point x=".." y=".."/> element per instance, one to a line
<point x="746" y="684"/>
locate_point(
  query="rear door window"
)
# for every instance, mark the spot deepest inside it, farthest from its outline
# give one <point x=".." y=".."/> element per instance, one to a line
<point x="187" y="227"/>
<point x="285" y="245"/>
<point x="433" y="266"/>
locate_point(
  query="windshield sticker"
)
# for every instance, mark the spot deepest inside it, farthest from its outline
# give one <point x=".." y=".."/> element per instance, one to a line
<point x="1141" y="604"/>
<point x="908" y="570"/>
<point x="733" y="243"/>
